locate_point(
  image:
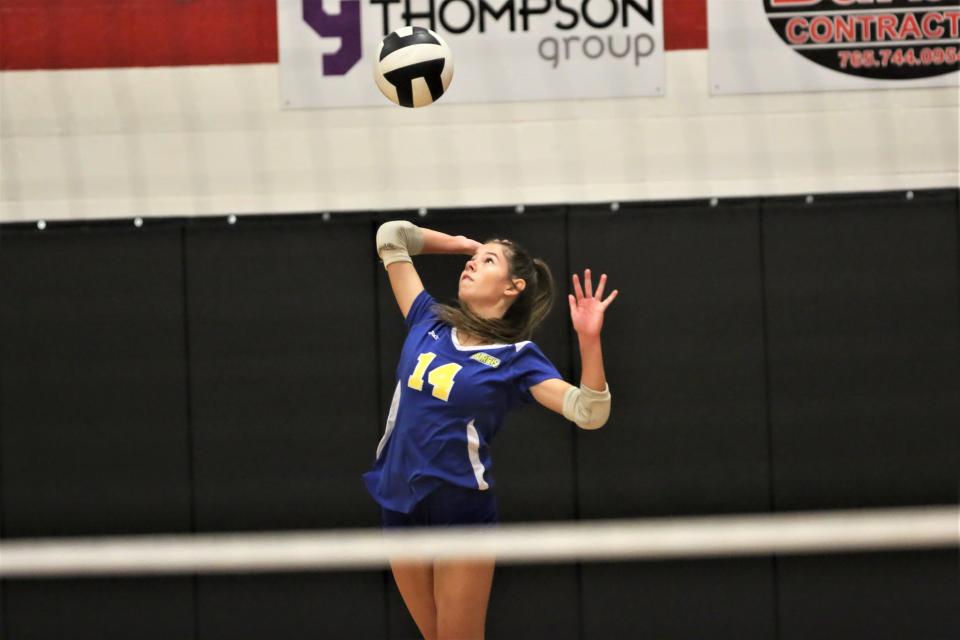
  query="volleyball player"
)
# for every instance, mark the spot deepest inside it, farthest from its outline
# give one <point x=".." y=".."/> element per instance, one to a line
<point x="461" y="369"/>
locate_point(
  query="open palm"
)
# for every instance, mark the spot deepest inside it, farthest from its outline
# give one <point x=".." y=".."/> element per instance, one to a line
<point x="586" y="310"/>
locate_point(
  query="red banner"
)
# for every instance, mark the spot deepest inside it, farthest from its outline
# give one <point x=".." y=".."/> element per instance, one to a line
<point x="78" y="34"/>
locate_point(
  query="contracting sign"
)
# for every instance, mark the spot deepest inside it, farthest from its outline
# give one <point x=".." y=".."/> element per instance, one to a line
<point x="783" y="45"/>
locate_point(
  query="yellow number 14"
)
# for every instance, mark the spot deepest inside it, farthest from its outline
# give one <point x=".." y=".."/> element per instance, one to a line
<point x="440" y="378"/>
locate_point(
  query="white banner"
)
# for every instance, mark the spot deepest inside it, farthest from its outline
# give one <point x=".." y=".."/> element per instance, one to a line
<point x="764" y="46"/>
<point x="503" y="50"/>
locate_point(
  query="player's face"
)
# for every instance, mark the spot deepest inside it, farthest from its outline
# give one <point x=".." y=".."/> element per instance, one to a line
<point x="485" y="278"/>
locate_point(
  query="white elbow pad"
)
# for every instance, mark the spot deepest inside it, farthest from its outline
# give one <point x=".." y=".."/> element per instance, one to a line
<point x="586" y="407"/>
<point x="397" y="240"/>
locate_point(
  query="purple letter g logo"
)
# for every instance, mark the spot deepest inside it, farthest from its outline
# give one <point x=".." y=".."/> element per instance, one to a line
<point x="345" y="25"/>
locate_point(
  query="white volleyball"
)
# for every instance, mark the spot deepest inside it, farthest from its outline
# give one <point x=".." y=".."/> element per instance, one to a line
<point x="413" y="67"/>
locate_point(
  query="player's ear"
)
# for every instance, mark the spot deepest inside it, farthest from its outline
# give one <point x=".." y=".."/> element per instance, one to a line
<point x="517" y="285"/>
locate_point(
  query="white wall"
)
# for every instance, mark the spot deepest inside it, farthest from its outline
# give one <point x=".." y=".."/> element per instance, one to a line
<point x="213" y="140"/>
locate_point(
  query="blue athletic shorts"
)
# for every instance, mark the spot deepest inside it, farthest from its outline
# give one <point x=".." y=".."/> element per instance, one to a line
<point x="445" y="506"/>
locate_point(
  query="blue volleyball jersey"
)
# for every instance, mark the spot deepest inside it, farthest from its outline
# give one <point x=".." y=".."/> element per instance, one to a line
<point x="448" y="404"/>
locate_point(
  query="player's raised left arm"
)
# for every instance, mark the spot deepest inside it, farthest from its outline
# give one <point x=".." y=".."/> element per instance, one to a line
<point x="589" y="405"/>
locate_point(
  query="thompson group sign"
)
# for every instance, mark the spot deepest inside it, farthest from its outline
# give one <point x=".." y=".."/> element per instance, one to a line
<point x="503" y="50"/>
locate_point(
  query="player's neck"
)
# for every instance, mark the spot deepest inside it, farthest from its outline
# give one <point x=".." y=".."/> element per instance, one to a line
<point x="467" y="340"/>
<point x="489" y="310"/>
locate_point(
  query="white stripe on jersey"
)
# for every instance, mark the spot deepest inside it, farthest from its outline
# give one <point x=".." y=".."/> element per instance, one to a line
<point x="473" y="450"/>
<point x="391" y="419"/>
<point x="459" y="347"/>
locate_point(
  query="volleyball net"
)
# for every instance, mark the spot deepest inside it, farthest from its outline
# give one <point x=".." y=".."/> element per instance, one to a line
<point x="812" y="532"/>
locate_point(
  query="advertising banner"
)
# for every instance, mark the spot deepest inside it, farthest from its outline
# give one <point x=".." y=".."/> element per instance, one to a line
<point x="503" y="50"/>
<point x="829" y="45"/>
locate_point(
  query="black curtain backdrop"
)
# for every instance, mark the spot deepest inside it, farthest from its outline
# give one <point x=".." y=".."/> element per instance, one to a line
<point x="94" y="436"/>
<point x="283" y="394"/>
<point x="689" y="432"/>
<point x="764" y="355"/>
<point x="864" y="391"/>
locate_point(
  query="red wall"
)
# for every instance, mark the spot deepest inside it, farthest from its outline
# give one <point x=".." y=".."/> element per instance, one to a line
<point x="75" y="34"/>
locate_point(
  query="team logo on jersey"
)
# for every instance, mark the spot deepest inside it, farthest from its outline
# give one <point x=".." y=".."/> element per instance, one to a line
<point x="486" y="359"/>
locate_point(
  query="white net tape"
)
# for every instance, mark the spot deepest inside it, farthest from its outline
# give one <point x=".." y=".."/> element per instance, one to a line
<point x="690" y="537"/>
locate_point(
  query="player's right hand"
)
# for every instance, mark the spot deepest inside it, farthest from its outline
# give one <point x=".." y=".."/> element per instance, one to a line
<point x="469" y="246"/>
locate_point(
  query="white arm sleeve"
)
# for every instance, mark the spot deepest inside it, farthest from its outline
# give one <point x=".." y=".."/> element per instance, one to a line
<point x="397" y="240"/>
<point x="587" y="407"/>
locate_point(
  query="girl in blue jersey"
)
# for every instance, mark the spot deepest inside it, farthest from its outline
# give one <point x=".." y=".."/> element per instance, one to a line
<point x="461" y="369"/>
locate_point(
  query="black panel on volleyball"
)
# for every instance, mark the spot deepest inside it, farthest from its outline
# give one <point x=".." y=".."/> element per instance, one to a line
<point x="863" y="349"/>
<point x="683" y="346"/>
<point x="94" y="435"/>
<point x="284" y="403"/>
<point x="532" y="455"/>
